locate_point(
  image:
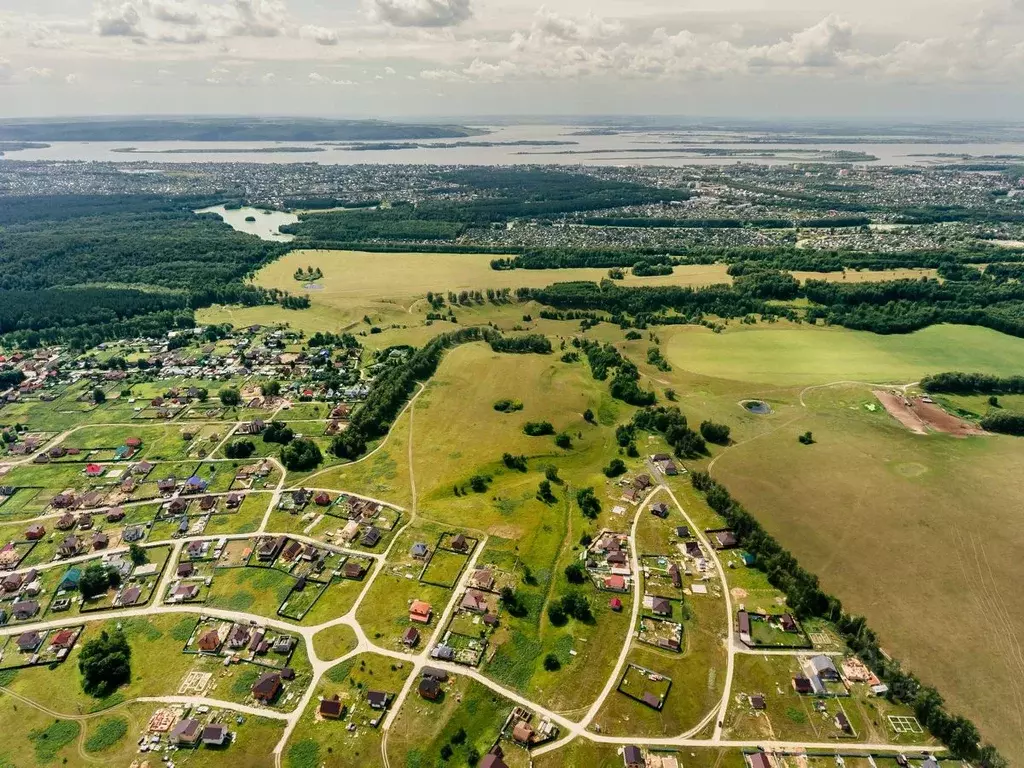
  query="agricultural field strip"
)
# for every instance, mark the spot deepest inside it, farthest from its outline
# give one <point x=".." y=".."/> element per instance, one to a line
<point x="574" y="729"/>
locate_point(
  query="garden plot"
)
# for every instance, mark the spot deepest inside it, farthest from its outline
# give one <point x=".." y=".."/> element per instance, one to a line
<point x="644" y="685"/>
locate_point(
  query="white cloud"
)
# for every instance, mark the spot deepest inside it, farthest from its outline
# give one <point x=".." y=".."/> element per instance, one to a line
<point x="117" y="19"/>
<point x="315" y="78"/>
<point x="421" y="13"/>
<point x="819" y="46"/>
<point x="319" y="35"/>
<point x="73" y="78"/>
<point x="38" y="73"/>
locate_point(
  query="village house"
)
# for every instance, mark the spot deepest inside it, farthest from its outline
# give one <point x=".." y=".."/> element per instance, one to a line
<point x="420" y="611"/>
<point x="331" y="709"/>
<point x="429" y="689"/>
<point x="215" y="734"/>
<point x="270" y="547"/>
<point x="29" y="642"/>
<point x="411" y="637"/>
<point x="419" y="551"/>
<point x="209" y="641"/>
<point x="186" y="733"/>
<point x="354" y="569"/>
<point x="24" y="609"/>
<point x="371" y="536"/>
<point x="266" y="687"/>
<point x="474" y="601"/>
<point x="129" y="596"/>
<point x="115" y="515"/>
<point x="35" y="532"/>
<point x="377" y="699"/>
<point x="70" y="547"/>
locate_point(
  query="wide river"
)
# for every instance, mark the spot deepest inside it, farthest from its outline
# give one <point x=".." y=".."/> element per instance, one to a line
<point x="660" y="147"/>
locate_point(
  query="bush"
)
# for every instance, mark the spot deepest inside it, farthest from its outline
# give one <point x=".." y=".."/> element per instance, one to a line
<point x="301" y="455"/>
<point x="575" y="574"/>
<point x="544" y="492"/>
<point x="538" y="428"/>
<point x="551" y="663"/>
<point x="240" y="449"/>
<point x="278" y="432"/>
<point x="589" y="504"/>
<point x="230" y="397"/>
<point x="479" y="483"/>
<point x="562" y="440"/>
<point x="551" y="473"/>
<point x="806" y="438"/>
<point x="105" y="663"/>
<point x="508" y="406"/>
<point x="615" y="468"/>
<point x="715" y="433"/>
<point x="588" y="416"/>
<point x="556" y="614"/>
<point x="514" y="462"/>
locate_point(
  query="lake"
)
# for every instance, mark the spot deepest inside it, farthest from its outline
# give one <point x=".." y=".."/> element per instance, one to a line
<point x="664" y="147"/>
<point x="266" y="223"/>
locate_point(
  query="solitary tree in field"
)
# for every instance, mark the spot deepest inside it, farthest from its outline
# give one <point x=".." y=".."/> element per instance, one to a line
<point x="230" y="397"/>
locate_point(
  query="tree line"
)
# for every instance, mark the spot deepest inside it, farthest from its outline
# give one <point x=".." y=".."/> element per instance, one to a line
<point x="959" y="383"/>
<point x="395" y="384"/>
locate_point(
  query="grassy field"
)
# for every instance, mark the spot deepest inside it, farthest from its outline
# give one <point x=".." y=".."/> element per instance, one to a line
<point x="362" y="275"/>
<point x="333" y="642"/>
<point x="592" y="755"/>
<point x="423" y="727"/>
<point x="784" y="354"/>
<point x="919" y="533"/>
<point x="329" y="742"/>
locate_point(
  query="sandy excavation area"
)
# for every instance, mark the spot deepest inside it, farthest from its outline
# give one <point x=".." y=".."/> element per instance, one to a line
<point x="922" y="417"/>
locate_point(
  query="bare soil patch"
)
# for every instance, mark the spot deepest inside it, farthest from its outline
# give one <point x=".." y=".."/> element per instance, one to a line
<point x="899" y="408"/>
<point x="920" y="417"/>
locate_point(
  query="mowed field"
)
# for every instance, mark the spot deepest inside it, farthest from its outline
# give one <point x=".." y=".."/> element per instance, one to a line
<point x="360" y="274"/>
<point x="921" y="534"/>
<point x="364" y="275"/>
<point x="788" y="355"/>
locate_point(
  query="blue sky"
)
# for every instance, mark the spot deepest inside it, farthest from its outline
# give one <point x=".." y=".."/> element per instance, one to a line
<point x="818" y="58"/>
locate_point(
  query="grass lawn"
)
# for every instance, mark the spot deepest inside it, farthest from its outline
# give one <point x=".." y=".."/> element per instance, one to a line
<point x="245" y="519"/>
<point x="423" y="727"/>
<point x="587" y="753"/>
<point x="790" y="355"/>
<point x="337" y="600"/>
<point x="851" y="508"/>
<point x="157" y="666"/>
<point x="334" y="642"/>
<point x="792" y="717"/>
<point x="253" y="590"/>
<point x="698" y="675"/>
<point x="314" y="743"/>
<point x="445" y="568"/>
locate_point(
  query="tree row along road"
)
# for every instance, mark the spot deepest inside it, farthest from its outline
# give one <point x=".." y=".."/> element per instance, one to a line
<point x="572" y="728"/>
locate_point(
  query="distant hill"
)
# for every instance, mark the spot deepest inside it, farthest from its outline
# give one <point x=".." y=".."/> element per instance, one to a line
<point x="222" y="129"/>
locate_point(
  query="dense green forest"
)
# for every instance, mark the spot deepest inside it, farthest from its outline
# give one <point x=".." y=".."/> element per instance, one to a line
<point x="494" y="195"/>
<point x="958" y="383"/>
<point x="85" y="268"/>
<point x="895" y="306"/>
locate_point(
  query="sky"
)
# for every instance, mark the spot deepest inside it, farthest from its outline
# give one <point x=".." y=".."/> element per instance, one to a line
<point x="869" y="59"/>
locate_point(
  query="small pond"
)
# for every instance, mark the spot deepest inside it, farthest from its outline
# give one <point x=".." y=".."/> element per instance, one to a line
<point x="256" y="221"/>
